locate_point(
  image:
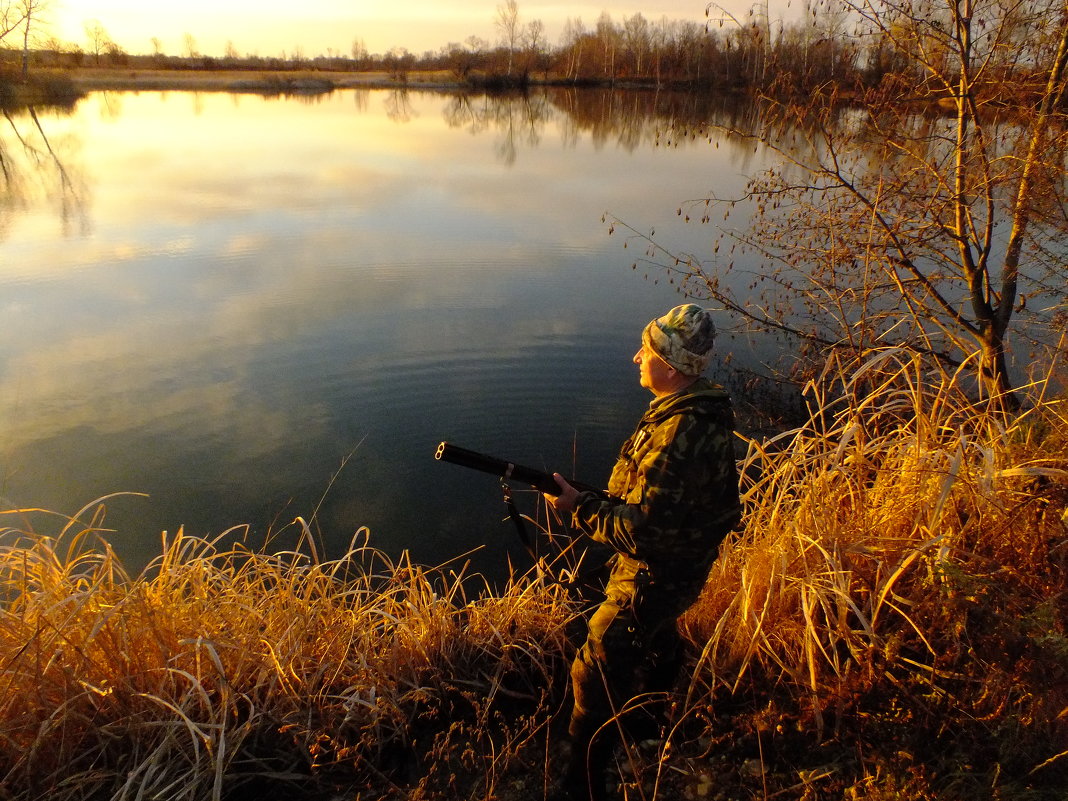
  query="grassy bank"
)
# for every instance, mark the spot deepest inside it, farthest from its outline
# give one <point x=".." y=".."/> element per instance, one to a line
<point x="41" y="89"/>
<point x="252" y="81"/>
<point x="64" y="86"/>
<point x="77" y="81"/>
<point x="891" y="625"/>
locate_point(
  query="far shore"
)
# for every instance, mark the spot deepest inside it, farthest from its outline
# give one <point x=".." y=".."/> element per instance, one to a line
<point x="67" y="84"/>
<point x="89" y="79"/>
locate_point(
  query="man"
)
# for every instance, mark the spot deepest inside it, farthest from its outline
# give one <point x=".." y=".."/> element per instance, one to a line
<point x="673" y="498"/>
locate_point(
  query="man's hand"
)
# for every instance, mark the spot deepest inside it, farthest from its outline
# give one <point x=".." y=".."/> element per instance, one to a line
<point x="565" y="501"/>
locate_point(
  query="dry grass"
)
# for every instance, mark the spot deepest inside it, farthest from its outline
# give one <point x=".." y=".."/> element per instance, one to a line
<point x="892" y="625"/>
<point x="256" y="81"/>
<point x="901" y="584"/>
<point x="222" y="669"/>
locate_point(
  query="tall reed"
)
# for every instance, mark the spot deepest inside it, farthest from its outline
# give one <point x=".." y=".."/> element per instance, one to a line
<point x="903" y="562"/>
<point x="222" y="668"/>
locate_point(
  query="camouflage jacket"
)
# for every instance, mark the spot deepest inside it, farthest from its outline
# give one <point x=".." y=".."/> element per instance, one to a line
<point x="674" y="498"/>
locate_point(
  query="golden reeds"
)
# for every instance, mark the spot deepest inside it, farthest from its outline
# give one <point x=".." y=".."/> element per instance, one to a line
<point x="888" y="542"/>
<point x="218" y="667"/>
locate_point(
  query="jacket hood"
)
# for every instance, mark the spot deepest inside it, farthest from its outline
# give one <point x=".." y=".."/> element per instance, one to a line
<point x="701" y="397"/>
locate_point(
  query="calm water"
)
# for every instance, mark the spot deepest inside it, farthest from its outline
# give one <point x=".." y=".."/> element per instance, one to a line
<point x="221" y="299"/>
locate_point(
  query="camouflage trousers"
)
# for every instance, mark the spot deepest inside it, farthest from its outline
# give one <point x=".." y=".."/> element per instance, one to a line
<point x="625" y="654"/>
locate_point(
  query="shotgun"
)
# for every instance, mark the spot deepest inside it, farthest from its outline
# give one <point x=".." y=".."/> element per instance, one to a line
<point x="539" y="479"/>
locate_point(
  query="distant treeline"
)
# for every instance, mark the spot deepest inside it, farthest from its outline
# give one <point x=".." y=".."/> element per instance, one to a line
<point x="823" y="52"/>
<point x="764" y="55"/>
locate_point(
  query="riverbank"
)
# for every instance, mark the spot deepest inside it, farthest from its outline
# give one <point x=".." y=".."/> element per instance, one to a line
<point x="892" y="624"/>
<point x="65" y="85"/>
<point x="255" y="81"/>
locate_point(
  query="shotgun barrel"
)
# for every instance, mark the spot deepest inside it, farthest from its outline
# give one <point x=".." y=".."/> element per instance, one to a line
<point x="539" y="479"/>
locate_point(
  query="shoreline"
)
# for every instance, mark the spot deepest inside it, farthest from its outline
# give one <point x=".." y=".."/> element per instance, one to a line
<point x="255" y="81"/>
<point x="65" y="85"/>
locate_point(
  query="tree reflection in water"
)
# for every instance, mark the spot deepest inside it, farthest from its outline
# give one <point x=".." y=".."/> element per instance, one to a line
<point x="33" y="166"/>
<point x="627" y="118"/>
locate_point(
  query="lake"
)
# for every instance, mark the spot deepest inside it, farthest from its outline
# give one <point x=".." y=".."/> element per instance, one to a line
<point x="250" y="309"/>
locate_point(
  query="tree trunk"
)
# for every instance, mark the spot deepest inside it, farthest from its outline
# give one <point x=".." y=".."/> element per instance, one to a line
<point x="26" y="44"/>
<point x="994" y="373"/>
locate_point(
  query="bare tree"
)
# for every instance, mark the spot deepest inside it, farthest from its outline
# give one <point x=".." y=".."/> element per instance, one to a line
<point x="190" y="43"/>
<point x="931" y="214"/>
<point x="398" y="61"/>
<point x="535" y="36"/>
<point x="12" y="17"/>
<point x="508" y="24"/>
<point x="476" y="44"/>
<point x="637" y="40"/>
<point x="32" y="13"/>
<point x="753" y="35"/>
<point x="359" y="52"/>
<point x="571" y="41"/>
<point x="97" y="38"/>
<point x="659" y="39"/>
<point x="608" y="38"/>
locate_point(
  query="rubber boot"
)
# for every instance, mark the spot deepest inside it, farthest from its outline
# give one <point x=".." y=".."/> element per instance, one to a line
<point x="587" y="771"/>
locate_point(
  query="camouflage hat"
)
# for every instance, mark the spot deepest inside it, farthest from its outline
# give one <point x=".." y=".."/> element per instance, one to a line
<point x="683" y="338"/>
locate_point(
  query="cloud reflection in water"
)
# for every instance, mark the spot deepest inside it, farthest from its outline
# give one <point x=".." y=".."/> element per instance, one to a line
<point x="266" y="284"/>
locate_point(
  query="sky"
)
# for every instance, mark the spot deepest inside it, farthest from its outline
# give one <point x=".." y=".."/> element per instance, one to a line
<point x="319" y="27"/>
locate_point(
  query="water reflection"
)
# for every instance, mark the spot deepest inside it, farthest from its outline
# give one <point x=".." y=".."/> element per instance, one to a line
<point x="517" y="119"/>
<point x="399" y="106"/>
<point x="607" y="117"/>
<point x="270" y="285"/>
<point x="36" y="168"/>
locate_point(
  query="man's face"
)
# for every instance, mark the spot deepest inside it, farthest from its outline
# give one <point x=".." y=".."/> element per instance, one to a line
<point x="654" y="373"/>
